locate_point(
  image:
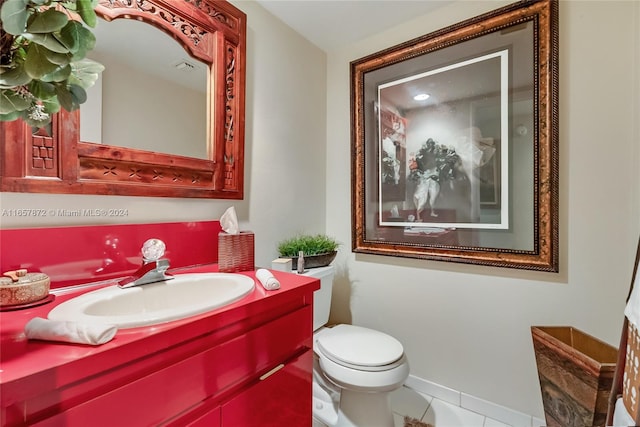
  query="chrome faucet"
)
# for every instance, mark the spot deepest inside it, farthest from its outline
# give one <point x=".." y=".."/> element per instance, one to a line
<point x="153" y="268"/>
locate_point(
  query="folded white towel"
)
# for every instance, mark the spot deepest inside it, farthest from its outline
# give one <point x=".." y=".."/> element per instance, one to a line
<point x="265" y="277"/>
<point x="57" y="330"/>
<point x="632" y="309"/>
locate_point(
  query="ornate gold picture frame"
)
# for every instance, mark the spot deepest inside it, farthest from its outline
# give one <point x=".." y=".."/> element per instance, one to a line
<point x="455" y="143"/>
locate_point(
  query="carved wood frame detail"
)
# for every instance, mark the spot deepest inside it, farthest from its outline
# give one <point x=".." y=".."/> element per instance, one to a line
<point x="54" y="160"/>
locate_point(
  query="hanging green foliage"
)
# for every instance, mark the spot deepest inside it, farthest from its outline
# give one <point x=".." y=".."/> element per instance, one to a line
<point x="43" y="44"/>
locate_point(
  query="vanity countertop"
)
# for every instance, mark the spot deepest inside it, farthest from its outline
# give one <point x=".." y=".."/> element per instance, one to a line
<point x="26" y="366"/>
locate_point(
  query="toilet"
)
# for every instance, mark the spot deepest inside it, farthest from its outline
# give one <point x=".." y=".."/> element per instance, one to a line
<point x="355" y="368"/>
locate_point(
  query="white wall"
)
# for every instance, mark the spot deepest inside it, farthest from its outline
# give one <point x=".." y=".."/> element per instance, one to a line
<point x="468" y="327"/>
<point x="284" y="152"/>
<point x="171" y="118"/>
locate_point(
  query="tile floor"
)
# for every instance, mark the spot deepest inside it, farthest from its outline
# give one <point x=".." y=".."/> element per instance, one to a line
<point x="437" y="412"/>
<point x="443" y="407"/>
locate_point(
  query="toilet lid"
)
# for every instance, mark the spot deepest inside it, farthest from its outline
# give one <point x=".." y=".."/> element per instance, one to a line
<point x="355" y="345"/>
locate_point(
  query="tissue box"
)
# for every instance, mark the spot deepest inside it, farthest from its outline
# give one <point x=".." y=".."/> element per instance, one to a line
<point x="235" y="252"/>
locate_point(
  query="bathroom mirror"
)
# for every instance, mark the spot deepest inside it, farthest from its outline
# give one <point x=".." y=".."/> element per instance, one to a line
<point x="129" y="83"/>
<point x="212" y="35"/>
<point x="455" y="142"/>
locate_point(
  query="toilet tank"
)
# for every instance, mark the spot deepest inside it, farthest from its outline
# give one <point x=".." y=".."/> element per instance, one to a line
<point x="322" y="297"/>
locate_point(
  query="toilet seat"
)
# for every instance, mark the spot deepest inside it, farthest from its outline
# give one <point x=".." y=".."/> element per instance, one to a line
<point x="362" y="380"/>
<point x="360" y="348"/>
<point x="365" y="366"/>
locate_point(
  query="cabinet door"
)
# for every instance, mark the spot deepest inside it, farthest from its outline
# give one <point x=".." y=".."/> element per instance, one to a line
<point x="282" y="397"/>
<point x="210" y="419"/>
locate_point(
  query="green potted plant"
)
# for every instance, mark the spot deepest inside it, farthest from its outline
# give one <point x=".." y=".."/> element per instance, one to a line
<point x="42" y="61"/>
<point x="319" y="250"/>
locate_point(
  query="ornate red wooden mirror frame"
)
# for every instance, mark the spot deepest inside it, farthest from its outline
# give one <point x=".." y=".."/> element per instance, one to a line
<point x="56" y="161"/>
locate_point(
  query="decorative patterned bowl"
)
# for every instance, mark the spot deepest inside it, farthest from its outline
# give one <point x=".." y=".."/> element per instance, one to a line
<point x="23" y="288"/>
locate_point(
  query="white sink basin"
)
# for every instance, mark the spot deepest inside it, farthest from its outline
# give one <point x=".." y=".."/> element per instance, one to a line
<point x="183" y="296"/>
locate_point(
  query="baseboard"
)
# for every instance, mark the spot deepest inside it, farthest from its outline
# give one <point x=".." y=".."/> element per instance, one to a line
<point x="472" y="403"/>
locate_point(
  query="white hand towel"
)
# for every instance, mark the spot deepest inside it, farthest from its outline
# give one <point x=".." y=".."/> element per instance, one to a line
<point x="265" y="277"/>
<point x="56" y="330"/>
<point x="632" y="309"/>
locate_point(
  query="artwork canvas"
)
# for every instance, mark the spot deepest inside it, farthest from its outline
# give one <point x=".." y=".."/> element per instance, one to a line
<point x="442" y="180"/>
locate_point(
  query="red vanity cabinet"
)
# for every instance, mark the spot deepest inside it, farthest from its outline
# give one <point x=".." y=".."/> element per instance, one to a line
<point x="209" y="419"/>
<point x="278" y="398"/>
<point x="282" y="399"/>
<point x="248" y="364"/>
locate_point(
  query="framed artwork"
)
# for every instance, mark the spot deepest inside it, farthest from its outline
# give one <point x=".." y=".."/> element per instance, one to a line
<point x="455" y="142"/>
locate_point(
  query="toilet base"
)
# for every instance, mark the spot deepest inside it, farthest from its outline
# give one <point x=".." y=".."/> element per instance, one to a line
<point x="362" y="409"/>
<point x="343" y="407"/>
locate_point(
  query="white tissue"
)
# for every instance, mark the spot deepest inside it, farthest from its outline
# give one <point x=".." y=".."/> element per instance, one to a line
<point x="229" y="221"/>
<point x="57" y="330"/>
<point x="632" y="310"/>
<point x="265" y="277"/>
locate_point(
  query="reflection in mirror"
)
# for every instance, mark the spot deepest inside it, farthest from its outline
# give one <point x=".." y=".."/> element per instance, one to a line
<point x="152" y="95"/>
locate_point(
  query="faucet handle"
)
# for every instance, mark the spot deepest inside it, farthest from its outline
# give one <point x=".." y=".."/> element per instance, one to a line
<point x="153" y="249"/>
